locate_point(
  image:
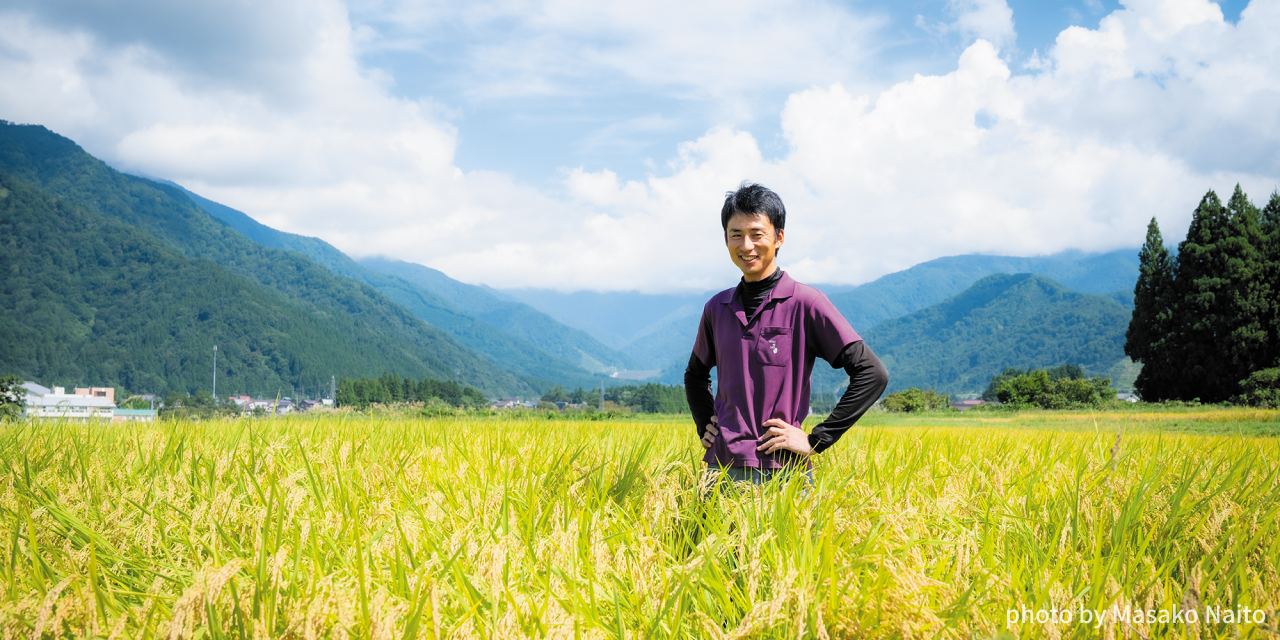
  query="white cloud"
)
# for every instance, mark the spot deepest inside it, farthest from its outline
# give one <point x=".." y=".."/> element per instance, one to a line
<point x="725" y="53"/>
<point x="1138" y="117"/>
<point x="990" y="20"/>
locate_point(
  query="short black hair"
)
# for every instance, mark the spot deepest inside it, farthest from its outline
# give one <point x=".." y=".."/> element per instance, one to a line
<point x="753" y="199"/>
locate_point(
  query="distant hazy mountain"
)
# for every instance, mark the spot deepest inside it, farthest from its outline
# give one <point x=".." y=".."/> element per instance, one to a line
<point x="450" y="305"/>
<point x="931" y="282"/>
<point x="114" y="279"/>
<point x="616" y="318"/>
<point x="1021" y="320"/>
<point x="514" y="318"/>
<point x="657" y="331"/>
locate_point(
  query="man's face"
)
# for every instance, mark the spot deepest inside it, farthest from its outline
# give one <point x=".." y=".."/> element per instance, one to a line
<point x="753" y="245"/>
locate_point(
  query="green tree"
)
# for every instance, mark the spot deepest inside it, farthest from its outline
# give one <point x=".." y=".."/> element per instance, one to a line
<point x="389" y="387"/>
<point x="1202" y="317"/>
<point x="1000" y="378"/>
<point x="556" y="394"/>
<point x="913" y="400"/>
<point x="660" y="398"/>
<point x="1038" y="389"/>
<point x="13" y="397"/>
<point x="1250" y="304"/>
<point x="1024" y="389"/>
<point x="346" y="394"/>
<point x="1261" y="388"/>
<point x="1270" y="232"/>
<point x="1148" y="339"/>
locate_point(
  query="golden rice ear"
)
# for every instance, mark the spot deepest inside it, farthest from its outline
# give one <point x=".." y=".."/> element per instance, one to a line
<point x="394" y="524"/>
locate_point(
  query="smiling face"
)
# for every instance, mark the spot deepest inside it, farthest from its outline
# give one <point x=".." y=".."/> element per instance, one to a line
<point x="753" y="245"/>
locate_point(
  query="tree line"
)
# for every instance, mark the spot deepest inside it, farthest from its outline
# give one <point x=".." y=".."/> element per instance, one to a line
<point x="389" y="388"/>
<point x="645" y="398"/>
<point x="1062" y="387"/>
<point x="1206" y="320"/>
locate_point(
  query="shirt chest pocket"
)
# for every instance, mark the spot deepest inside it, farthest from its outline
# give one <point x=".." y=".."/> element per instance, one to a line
<point x="773" y="347"/>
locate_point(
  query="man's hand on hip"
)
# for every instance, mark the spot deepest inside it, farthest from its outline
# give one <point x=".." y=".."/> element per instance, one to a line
<point x="784" y="436"/>
<point x="709" y="438"/>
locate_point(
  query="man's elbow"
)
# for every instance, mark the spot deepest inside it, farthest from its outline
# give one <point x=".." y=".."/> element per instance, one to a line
<point x="879" y="378"/>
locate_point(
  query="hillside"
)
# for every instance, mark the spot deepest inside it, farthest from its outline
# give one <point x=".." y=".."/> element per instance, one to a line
<point x="929" y="283"/>
<point x="616" y="318"/>
<point x="384" y="333"/>
<point x="510" y="317"/>
<point x="89" y="300"/>
<point x="655" y="331"/>
<point x="506" y="333"/>
<point x="1021" y="320"/>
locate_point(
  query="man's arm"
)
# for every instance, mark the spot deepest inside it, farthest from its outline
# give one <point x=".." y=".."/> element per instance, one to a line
<point x="867" y="380"/>
<point x="697" y="391"/>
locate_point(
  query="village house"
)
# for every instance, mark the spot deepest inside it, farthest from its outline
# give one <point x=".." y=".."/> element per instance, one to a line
<point x="43" y="402"/>
<point x="965" y="405"/>
<point x="269" y="406"/>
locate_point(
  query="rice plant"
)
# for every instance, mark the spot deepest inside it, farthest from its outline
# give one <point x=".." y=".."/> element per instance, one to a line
<point x="385" y="525"/>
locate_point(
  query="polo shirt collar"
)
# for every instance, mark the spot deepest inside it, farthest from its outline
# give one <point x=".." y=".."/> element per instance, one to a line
<point x="785" y="288"/>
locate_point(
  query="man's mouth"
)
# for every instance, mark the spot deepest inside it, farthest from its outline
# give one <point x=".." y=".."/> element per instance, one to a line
<point x="748" y="259"/>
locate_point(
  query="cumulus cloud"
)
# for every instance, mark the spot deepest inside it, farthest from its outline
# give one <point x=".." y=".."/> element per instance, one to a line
<point x="1135" y="118"/>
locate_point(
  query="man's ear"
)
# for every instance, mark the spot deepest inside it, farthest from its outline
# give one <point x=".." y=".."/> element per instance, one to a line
<point x="782" y="234"/>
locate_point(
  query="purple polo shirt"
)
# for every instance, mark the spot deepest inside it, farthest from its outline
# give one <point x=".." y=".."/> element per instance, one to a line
<point x="764" y="364"/>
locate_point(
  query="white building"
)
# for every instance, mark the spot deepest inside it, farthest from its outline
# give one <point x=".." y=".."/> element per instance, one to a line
<point x="56" y="403"/>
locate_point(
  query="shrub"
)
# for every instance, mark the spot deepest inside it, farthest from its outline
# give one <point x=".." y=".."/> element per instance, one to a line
<point x="13" y="397"/>
<point x="1038" y="389"/>
<point x="1261" y="388"/>
<point x="913" y="399"/>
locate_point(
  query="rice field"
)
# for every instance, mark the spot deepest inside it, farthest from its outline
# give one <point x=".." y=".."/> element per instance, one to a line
<point x="388" y="525"/>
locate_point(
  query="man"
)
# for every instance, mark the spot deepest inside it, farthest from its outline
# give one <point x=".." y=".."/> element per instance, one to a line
<point x="763" y="336"/>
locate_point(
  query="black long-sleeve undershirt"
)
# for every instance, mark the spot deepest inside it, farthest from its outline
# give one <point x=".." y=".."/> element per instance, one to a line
<point x="867" y="380"/>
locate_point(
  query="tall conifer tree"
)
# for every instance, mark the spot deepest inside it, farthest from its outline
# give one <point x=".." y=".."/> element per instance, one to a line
<point x="1270" y="226"/>
<point x="1202" y="317"/>
<point x="1148" y="338"/>
<point x="1249" y="296"/>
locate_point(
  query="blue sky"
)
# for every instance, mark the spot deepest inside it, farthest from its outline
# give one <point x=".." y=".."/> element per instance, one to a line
<point x="609" y="121"/>
<point x="587" y="145"/>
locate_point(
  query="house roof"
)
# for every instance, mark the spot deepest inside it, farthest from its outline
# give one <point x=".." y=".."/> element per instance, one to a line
<point x="36" y="389"/>
<point x="69" y="400"/>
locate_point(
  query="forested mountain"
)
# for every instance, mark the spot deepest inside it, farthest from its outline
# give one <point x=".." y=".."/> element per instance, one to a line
<point x="89" y="300"/>
<point x="616" y="318"/>
<point x="1023" y="320"/>
<point x="657" y="331"/>
<point x="929" y="283"/>
<point x="511" y="317"/>
<point x="362" y="328"/>
<point x="509" y="334"/>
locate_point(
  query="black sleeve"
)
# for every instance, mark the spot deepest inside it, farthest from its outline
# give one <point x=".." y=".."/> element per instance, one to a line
<point x="867" y="380"/>
<point x="697" y="391"/>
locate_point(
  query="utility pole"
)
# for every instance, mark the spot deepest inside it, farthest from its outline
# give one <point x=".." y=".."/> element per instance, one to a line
<point x="602" y="394"/>
<point x="215" y="375"/>
<point x="333" y="388"/>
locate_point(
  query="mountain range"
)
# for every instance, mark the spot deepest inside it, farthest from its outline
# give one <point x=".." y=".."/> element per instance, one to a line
<point x="1022" y="320"/>
<point x="115" y="279"/>
<point x="657" y="331"/>
<point x="118" y="279"/>
<point x="509" y="334"/>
